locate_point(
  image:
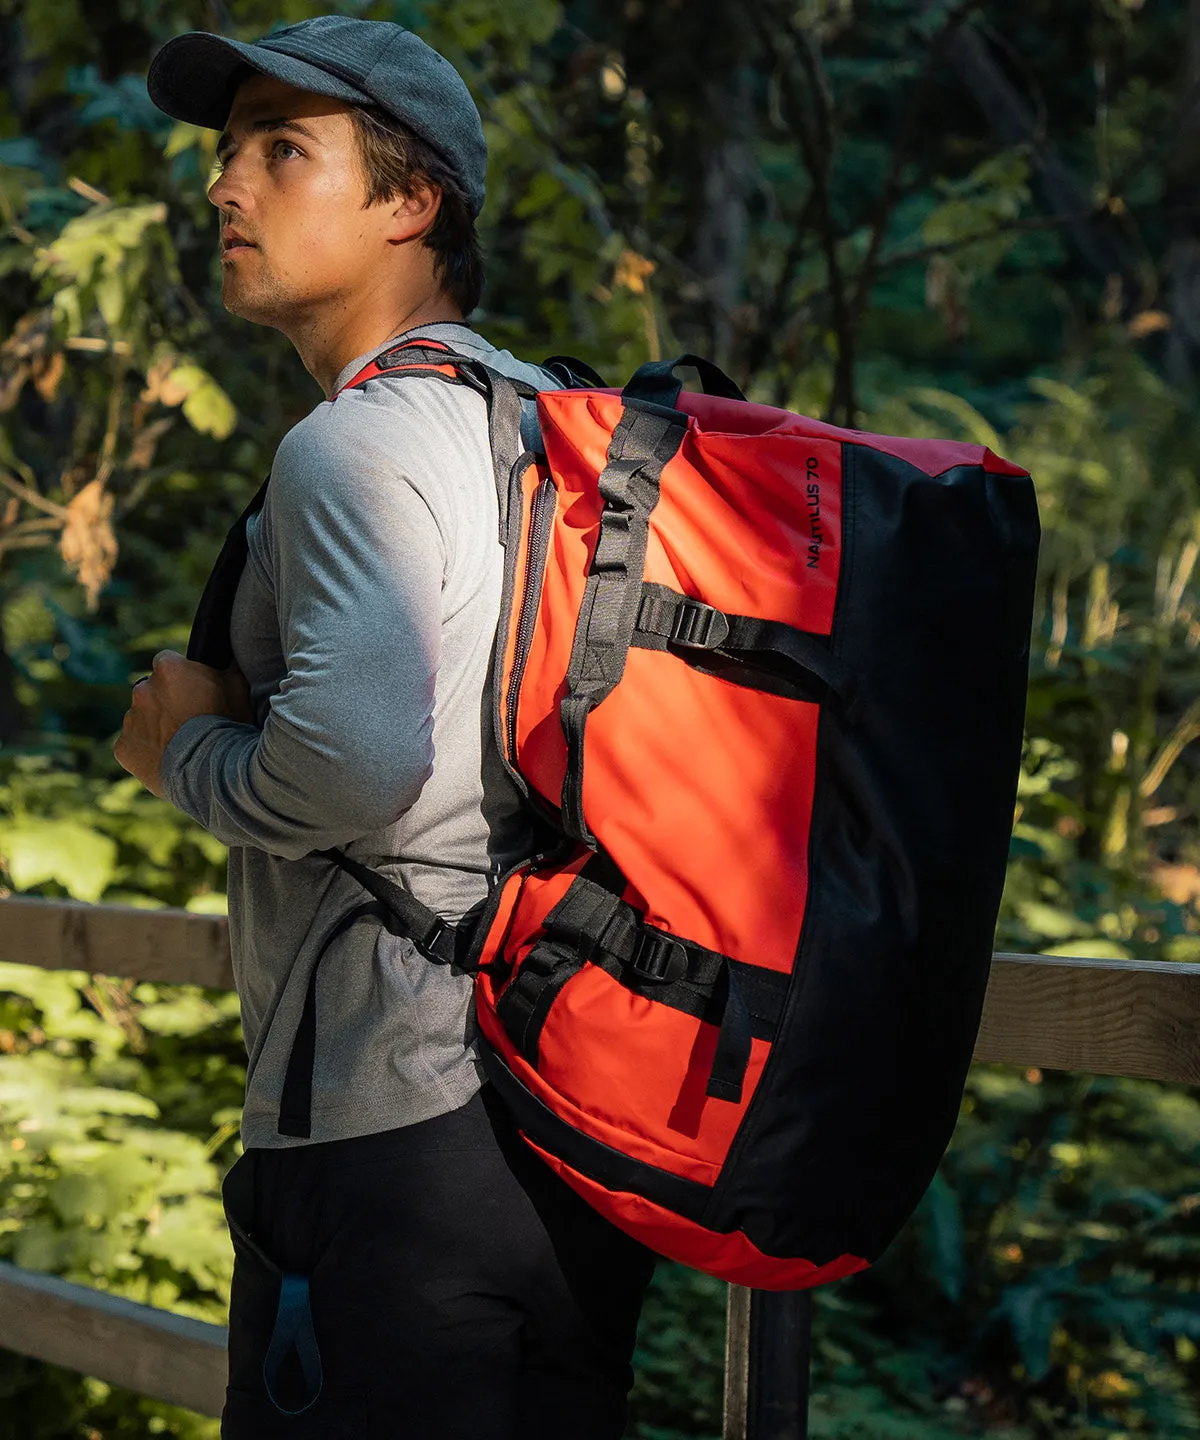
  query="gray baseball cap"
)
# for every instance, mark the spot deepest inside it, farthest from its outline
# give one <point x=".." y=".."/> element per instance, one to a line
<point x="367" y="62"/>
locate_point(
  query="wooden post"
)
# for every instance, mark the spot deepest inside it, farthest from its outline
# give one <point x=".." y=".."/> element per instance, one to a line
<point x="737" y="1361"/>
<point x="768" y="1340"/>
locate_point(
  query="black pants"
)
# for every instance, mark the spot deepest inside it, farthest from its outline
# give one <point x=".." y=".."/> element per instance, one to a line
<point x="437" y="1282"/>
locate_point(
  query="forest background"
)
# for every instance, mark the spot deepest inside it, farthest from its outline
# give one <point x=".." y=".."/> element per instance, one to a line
<point x="974" y="219"/>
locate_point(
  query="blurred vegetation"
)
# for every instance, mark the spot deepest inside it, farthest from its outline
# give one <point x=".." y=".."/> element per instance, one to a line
<point x="971" y="219"/>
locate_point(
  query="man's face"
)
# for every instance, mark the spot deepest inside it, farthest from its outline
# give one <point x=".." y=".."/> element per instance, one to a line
<point x="295" y="236"/>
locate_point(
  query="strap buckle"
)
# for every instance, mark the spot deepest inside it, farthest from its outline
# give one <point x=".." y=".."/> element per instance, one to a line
<point x="438" y="943"/>
<point x="698" y="626"/>
<point x="657" y="957"/>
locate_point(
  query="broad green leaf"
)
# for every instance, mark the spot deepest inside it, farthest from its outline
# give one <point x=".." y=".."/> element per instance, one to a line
<point x="1032" y="1312"/>
<point x="1049" y="920"/>
<point x="944" y="1236"/>
<point x="80" y="859"/>
<point x="206" y="406"/>
<point x="186" y="1015"/>
<point x="1093" y="948"/>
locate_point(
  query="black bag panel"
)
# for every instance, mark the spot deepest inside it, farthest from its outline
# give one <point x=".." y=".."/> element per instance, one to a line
<point x="908" y="847"/>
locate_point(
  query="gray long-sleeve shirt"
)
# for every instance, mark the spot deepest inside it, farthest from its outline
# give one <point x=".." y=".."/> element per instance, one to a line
<point x="363" y="623"/>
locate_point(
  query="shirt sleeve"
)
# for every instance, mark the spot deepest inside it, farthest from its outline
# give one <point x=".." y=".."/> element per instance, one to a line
<point x="357" y="562"/>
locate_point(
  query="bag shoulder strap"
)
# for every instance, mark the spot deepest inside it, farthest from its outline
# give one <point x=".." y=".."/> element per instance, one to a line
<point x="209" y="641"/>
<point x="505" y="398"/>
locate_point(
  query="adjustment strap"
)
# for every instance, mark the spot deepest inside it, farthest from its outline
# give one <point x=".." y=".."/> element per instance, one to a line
<point x="523" y="1007"/>
<point x="526" y="1001"/>
<point x="435" y="938"/>
<point x="402" y="914"/>
<point x="592" y="923"/>
<point x="295" y="1100"/>
<point x="643" y="442"/>
<point x="668" y="620"/>
<point x="731" y="1060"/>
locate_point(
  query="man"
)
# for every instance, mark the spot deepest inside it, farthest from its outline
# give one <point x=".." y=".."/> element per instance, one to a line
<point x="405" y="1267"/>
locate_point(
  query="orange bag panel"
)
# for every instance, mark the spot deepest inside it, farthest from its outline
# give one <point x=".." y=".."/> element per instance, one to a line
<point x="777" y="558"/>
<point x="644" y="1071"/>
<point x="689" y="778"/>
<point x="646" y="1066"/>
<point x="624" y="1133"/>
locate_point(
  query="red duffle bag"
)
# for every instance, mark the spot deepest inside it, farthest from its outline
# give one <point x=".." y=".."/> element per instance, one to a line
<point x="764" y="681"/>
<point x="768" y="676"/>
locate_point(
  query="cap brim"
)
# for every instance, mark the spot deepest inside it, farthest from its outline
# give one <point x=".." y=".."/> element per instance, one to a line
<point x="195" y="77"/>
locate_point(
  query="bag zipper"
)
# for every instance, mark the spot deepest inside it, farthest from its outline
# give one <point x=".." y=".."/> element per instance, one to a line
<point x="541" y="524"/>
<point x="487" y="915"/>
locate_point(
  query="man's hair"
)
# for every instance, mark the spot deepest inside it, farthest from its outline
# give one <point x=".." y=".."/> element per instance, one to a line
<point x="397" y="162"/>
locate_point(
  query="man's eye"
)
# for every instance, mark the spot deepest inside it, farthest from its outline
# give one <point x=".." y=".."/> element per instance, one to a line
<point x="283" y="145"/>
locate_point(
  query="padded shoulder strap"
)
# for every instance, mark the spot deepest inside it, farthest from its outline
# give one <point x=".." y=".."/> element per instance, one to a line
<point x="209" y="642"/>
<point x="504" y="396"/>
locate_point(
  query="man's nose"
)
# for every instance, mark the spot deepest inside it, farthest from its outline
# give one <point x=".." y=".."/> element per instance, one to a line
<point x="228" y="190"/>
<point x="222" y="194"/>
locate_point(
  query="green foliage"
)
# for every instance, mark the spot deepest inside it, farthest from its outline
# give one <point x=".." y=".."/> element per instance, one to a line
<point x="678" y="1390"/>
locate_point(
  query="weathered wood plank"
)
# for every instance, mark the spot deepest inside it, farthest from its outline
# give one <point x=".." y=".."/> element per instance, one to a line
<point x="1107" y="1017"/>
<point x="151" y="1352"/>
<point x="164" y="945"/>
<point x="737" y="1361"/>
<point x="1101" y="1017"/>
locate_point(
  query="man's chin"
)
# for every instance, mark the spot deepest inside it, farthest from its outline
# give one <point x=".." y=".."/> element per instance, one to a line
<point x="242" y="300"/>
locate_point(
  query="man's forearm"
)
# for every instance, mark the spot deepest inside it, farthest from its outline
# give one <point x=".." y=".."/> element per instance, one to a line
<point x="287" y="798"/>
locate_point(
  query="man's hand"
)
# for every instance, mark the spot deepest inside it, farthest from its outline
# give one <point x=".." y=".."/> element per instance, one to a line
<point x="176" y="691"/>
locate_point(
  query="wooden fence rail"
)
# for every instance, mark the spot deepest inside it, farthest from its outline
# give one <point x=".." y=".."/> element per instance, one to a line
<point x="150" y="1351"/>
<point x="1106" y="1017"/>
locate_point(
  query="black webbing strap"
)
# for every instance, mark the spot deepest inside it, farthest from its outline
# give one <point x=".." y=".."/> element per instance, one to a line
<point x="667" y="620"/>
<point x="644" y="440"/>
<point x="403" y="914"/>
<point x="731" y="1059"/>
<point x="573" y="374"/>
<point x="435" y="938"/>
<point x="656" y="381"/>
<point x="526" y="1001"/>
<point x="744" y="1001"/>
<point x="295" y="1101"/>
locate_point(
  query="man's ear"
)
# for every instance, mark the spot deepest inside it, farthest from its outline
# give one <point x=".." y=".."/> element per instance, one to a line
<point x="412" y="215"/>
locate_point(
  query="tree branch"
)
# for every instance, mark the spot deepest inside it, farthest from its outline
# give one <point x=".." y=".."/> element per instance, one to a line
<point x="890" y="195"/>
<point x="1097" y="238"/>
<point x="817" y="148"/>
<point x="31" y="497"/>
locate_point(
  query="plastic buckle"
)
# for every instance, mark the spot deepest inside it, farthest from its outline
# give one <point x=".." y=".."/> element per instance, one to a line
<point x="657" y="957"/>
<point x="699" y="626"/>
<point x="434" y="939"/>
